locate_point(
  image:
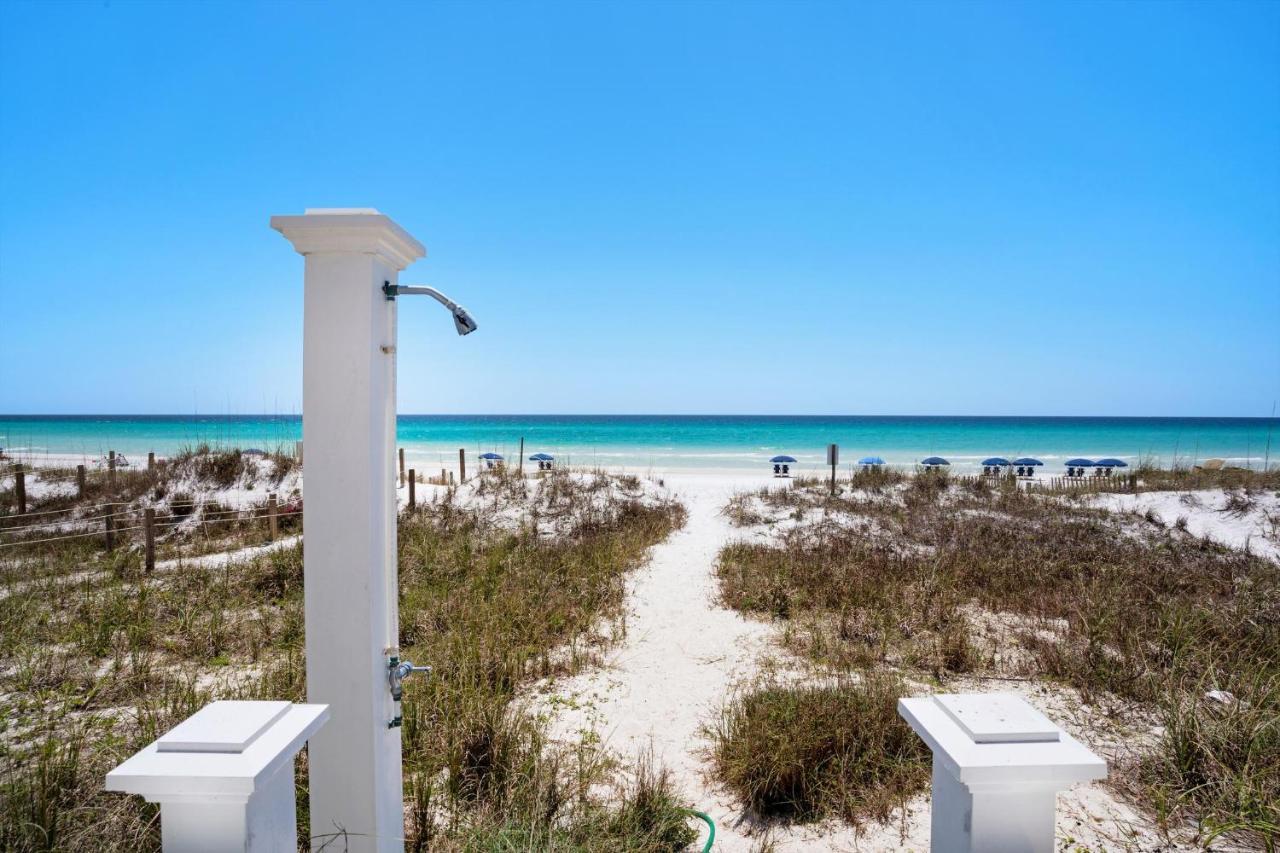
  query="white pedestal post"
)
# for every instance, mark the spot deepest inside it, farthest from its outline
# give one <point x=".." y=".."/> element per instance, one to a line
<point x="349" y="528"/>
<point x="998" y="765"/>
<point x="224" y="777"/>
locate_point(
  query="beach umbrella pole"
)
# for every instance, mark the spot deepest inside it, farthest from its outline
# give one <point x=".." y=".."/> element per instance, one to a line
<point x="349" y="541"/>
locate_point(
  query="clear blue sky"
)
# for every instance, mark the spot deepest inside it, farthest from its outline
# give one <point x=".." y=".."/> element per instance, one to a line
<point x="713" y="207"/>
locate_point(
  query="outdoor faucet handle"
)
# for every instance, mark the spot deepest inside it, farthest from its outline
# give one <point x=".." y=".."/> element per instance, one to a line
<point x="397" y="672"/>
<point x="408" y="668"/>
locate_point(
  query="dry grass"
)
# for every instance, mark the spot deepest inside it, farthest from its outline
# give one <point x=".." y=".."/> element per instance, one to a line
<point x="98" y="658"/>
<point x="1152" y="479"/>
<point x="816" y="751"/>
<point x="491" y="605"/>
<point x="182" y="492"/>
<point x="1114" y="605"/>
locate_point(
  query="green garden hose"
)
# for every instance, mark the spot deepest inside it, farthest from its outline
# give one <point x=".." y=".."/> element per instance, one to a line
<point x="711" y="826"/>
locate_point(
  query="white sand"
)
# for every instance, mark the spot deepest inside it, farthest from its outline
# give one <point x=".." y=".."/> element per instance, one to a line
<point x="684" y="654"/>
<point x="1206" y="514"/>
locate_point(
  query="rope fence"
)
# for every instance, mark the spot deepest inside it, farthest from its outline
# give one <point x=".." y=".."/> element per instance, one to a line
<point x="60" y="511"/>
<point x="191" y="522"/>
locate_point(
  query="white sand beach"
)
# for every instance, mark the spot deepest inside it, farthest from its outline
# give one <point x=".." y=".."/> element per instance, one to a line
<point x="685" y="653"/>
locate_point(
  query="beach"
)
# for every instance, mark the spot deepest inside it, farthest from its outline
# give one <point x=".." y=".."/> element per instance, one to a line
<point x="680" y="653"/>
<point x="686" y="652"/>
<point x="648" y="444"/>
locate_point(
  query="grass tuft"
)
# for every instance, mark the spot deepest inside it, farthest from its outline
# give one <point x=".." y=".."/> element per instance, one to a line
<point x="808" y="752"/>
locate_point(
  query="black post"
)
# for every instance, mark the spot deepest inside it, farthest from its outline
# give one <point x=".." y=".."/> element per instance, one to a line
<point x="149" y="521"/>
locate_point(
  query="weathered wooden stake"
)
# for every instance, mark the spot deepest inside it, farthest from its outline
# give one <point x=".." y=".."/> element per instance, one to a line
<point x="111" y="468"/>
<point x="20" y="487"/>
<point x="462" y="464"/>
<point x="151" y="461"/>
<point x="149" y="529"/>
<point x="833" y="458"/>
<point x="80" y="481"/>
<point x="271" y="517"/>
<point x="110" y="525"/>
<point x="444" y="477"/>
<point x="413" y="498"/>
<point x="520" y="466"/>
<point x="402" y="466"/>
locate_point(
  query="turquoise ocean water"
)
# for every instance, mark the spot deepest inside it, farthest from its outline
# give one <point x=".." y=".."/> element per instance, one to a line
<point x="670" y="442"/>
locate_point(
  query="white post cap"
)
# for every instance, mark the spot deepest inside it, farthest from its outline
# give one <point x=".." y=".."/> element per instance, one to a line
<point x="999" y="739"/>
<point x="356" y="230"/>
<point x="224" y="751"/>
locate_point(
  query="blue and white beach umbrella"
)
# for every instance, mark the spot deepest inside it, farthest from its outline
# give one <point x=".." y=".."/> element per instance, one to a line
<point x="1079" y="463"/>
<point x="1110" y="462"/>
<point x="995" y="460"/>
<point x="541" y="457"/>
<point x="934" y="460"/>
<point x="871" y="460"/>
<point x="491" y="456"/>
<point x="1027" y="460"/>
<point x="783" y="460"/>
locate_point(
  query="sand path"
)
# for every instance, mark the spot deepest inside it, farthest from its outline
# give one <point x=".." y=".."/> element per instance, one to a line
<point x="681" y="657"/>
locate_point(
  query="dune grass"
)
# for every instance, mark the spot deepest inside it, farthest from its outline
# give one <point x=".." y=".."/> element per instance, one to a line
<point x="97" y="659"/>
<point x="182" y="492"/>
<point x="807" y="752"/>
<point x="492" y="606"/>
<point x="1184" y="478"/>
<point x="1114" y="605"/>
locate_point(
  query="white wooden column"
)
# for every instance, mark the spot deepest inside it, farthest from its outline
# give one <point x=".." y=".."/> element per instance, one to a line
<point x="349" y="526"/>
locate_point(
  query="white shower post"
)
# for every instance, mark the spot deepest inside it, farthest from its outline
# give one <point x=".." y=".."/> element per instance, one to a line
<point x="349" y="527"/>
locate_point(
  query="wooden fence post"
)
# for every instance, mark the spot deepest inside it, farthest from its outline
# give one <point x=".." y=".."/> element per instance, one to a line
<point x="110" y="525"/>
<point x="413" y="498"/>
<point x="271" y="517"/>
<point x="79" y="481"/>
<point x="462" y="464"/>
<point x="149" y="529"/>
<point x="151" y="461"/>
<point x="111" y="469"/>
<point x="444" y="477"/>
<point x="402" y="466"/>
<point x="520" y="465"/>
<point x="20" y="487"/>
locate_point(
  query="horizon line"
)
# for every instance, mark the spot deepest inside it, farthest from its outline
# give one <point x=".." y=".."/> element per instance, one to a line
<point x="298" y="416"/>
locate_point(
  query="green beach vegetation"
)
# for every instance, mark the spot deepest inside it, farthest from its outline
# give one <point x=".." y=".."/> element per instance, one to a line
<point x="519" y="579"/>
<point x="936" y="581"/>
